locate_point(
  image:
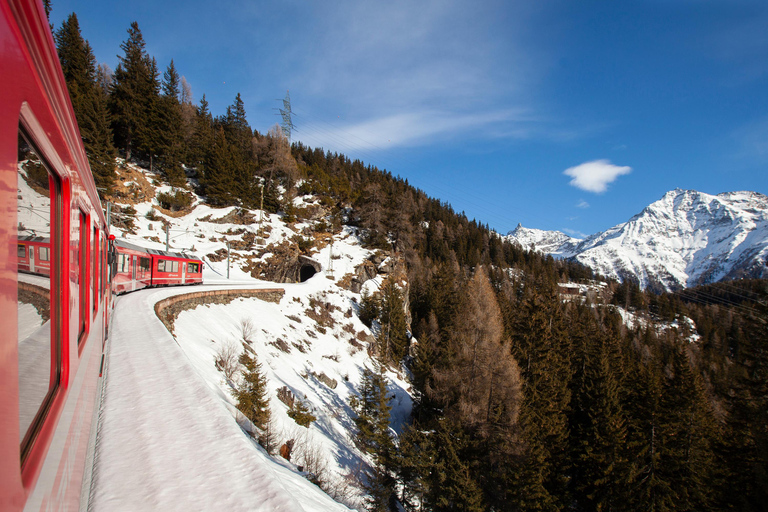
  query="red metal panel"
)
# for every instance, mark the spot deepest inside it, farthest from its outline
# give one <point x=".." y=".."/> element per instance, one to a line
<point x="37" y="94"/>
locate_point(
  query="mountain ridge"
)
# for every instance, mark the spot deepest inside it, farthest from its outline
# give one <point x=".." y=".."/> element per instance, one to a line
<point x="684" y="239"/>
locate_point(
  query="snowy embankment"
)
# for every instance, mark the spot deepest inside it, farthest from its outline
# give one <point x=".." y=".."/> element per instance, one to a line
<point x="314" y="345"/>
<point x="171" y="437"/>
<point x="166" y="439"/>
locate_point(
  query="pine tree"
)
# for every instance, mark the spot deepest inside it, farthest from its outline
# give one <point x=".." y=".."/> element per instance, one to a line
<point x="372" y="421"/>
<point x="601" y="469"/>
<point x="202" y="137"/>
<point x="88" y="101"/>
<point x="370" y="308"/>
<point x="415" y="456"/>
<point x="542" y="350"/>
<point x="171" y="138"/>
<point x="393" y="339"/>
<point x="134" y="96"/>
<point x="252" y="397"/>
<point x="218" y="180"/>
<point x="746" y="445"/>
<point x="453" y="478"/>
<point x="649" y="488"/>
<point x="688" y="428"/>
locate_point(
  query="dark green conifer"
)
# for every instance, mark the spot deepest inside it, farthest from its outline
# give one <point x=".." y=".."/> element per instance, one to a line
<point x="393" y="339"/>
<point x="252" y="398"/>
<point x="134" y="97"/>
<point x="373" y="435"/>
<point x="88" y="101"/>
<point x="170" y="136"/>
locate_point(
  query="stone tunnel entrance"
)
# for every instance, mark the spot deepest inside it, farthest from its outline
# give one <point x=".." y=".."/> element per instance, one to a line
<point x="306" y="272"/>
<point x="308" y="268"/>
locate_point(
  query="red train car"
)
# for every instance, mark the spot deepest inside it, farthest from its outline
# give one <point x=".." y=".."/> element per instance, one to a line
<point x="34" y="255"/>
<point x="53" y="300"/>
<point x="138" y="267"/>
<point x="175" y="268"/>
<point x="132" y="268"/>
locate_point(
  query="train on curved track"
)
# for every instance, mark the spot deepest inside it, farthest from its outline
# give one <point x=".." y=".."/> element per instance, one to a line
<point x="56" y="286"/>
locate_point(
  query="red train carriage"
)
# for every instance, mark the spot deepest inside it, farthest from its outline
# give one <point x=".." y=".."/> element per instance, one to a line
<point x="53" y="300"/>
<point x="172" y="268"/>
<point x="34" y="255"/>
<point x="132" y="268"/>
<point x="138" y="267"/>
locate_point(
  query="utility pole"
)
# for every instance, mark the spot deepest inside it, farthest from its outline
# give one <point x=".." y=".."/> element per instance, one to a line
<point x="261" y="215"/>
<point x="227" y="259"/>
<point x="330" y="262"/>
<point x="166" y="237"/>
<point x="109" y="215"/>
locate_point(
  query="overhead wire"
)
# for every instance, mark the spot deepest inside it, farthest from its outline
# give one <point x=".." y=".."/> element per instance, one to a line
<point x="707" y="298"/>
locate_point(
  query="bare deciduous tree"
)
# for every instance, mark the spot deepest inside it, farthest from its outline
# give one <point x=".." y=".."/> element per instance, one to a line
<point x="247" y="330"/>
<point x="227" y="360"/>
<point x="484" y="383"/>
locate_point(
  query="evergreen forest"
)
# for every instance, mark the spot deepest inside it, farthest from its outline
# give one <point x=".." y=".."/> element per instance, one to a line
<point x="523" y="401"/>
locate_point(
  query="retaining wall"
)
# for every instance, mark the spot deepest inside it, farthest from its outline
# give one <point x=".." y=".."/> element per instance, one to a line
<point x="167" y="310"/>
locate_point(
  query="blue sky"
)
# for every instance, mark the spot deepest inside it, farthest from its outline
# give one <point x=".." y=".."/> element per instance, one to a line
<point x="554" y="114"/>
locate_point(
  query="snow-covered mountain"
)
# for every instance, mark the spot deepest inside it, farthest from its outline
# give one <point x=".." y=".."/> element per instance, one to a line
<point x="684" y="239"/>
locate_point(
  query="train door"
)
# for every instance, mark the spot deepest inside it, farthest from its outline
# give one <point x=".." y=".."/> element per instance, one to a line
<point x="183" y="272"/>
<point x="32" y="258"/>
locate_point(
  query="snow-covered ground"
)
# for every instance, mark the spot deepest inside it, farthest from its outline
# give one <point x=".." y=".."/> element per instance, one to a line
<point x="305" y="355"/>
<point x="170" y="436"/>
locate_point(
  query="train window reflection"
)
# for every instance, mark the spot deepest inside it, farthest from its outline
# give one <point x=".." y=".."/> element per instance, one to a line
<point x="38" y="199"/>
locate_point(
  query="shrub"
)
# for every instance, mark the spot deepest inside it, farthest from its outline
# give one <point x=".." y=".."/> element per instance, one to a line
<point x="180" y="200"/>
<point x="300" y="414"/>
<point x="227" y="360"/>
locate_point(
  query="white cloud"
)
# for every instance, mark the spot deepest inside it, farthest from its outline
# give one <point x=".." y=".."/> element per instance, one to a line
<point x="574" y="233"/>
<point x="405" y="129"/>
<point x="582" y="204"/>
<point x="596" y="175"/>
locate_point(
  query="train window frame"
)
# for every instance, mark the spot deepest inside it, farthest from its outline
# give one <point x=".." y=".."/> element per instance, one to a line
<point x="95" y="271"/>
<point x="104" y="265"/>
<point x="56" y="215"/>
<point x="82" y="278"/>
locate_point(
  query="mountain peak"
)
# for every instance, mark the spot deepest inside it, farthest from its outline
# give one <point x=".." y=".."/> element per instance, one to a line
<point x="686" y="238"/>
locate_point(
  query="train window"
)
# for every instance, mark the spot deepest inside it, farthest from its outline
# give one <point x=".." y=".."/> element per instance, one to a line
<point x="38" y="209"/>
<point x="193" y="268"/>
<point x="145" y="265"/>
<point x="103" y="265"/>
<point x="44" y="254"/>
<point x="82" y="277"/>
<point x="95" y="273"/>
<point x="161" y="266"/>
<point x="123" y="263"/>
<point x="21" y="251"/>
<point x="175" y="266"/>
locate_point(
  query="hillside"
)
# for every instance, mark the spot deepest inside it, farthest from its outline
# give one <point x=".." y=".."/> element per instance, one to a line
<point x="685" y="239"/>
<point x="312" y="345"/>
